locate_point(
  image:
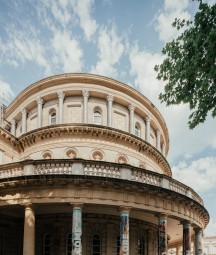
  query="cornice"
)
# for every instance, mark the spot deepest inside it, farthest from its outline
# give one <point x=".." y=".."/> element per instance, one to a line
<point x="89" y="79"/>
<point x="8" y="138"/>
<point x="99" y="132"/>
<point x="79" y="182"/>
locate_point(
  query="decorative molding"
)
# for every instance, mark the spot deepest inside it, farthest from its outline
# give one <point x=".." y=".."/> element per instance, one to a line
<point x="32" y="137"/>
<point x="110" y="97"/>
<point x="61" y="94"/>
<point x="131" y="107"/>
<point x="85" y="92"/>
<point x="54" y="176"/>
<point x="39" y="100"/>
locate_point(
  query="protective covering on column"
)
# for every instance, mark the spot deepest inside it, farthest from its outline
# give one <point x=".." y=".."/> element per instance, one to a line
<point x="198" y="241"/>
<point x="186" y="238"/>
<point x="124" y="231"/>
<point x="29" y="231"/>
<point x="77" y="230"/>
<point x="162" y="235"/>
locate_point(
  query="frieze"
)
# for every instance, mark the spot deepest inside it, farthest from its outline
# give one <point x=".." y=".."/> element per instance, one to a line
<point x="57" y="187"/>
<point x="120" y="137"/>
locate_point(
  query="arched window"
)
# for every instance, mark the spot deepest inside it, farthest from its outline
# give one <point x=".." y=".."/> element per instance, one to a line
<point x="141" y="246"/>
<point x="52" y="117"/>
<point x="137" y="129"/>
<point x="122" y="159"/>
<point x="96" y="244"/>
<point x="97" y="117"/>
<point x="47" y="155"/>
<point x="47" y="244"/>
<point x="69" y="244"/>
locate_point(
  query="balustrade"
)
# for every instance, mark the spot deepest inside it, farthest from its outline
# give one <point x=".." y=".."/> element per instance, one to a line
<point x="95" y="168"/>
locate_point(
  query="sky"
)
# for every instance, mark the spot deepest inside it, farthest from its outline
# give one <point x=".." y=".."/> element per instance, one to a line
<point x="121" y="39"/>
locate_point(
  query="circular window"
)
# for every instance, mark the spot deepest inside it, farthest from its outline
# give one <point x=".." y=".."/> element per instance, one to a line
<point x="71" y="153"/>
<point x="47" y="155"/>
<point x="142" y="165"/>
<point x="97" y="155"/>
<point x="122" y="160"/>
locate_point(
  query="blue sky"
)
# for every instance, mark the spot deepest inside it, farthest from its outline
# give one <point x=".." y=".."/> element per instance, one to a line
<point x="121" y="39"/>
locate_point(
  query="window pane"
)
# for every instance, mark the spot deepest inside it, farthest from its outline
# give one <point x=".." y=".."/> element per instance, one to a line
<point x="97" y="118"/>
<point x="96" y="244"/>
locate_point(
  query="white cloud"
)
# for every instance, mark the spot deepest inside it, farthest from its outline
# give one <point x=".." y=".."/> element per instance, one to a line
<point x="182" y="140"/>
<point x="211" y="228"/>
<point x="199" y="174"/>
<point x="67" y="52"/>
<point x="172" y="9"/>
<point x="23" y="46"/>
<point x="87" y="23"/>
<point x="69" y="13"/>
<point x="176" y="5"/>
<point x="142" y="68"/>
<point x="110" y="50"/>
<point x="6" y="93"/>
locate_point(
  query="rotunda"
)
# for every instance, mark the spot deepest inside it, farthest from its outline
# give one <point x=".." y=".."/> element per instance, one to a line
<point x="83" y="170"/>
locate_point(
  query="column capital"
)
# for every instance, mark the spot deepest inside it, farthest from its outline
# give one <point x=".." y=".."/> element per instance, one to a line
<point x="23" y="111"/>
<point x="61" y="94"/>
<point x="28" y="204"/>
<point x="77" y="206"/>
<point x="158" y="132"/>
<point x="125" y="209"/>
<point x="162" y="216"/>
<point x="131" y="107"/>
<point x="13" y="122"/>
<point x="110" y="97"/>
<point x="197" y="229"/>
<point x="147" y="119"/>
<point x="85" y="92"/>
<point x="185" y="222"/>
<point x="39" y="100"/>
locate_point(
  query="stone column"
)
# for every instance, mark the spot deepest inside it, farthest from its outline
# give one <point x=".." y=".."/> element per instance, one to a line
<point x="13" y="127"/>
<point x="77" y="230"/>
<point x="24" y="120"/>
<point x="29" y="231"/>
<point x="61" y="96"/>
<point x="109" y="110"/>
<point x="162" y="235"/>
<point x="178" y="250"/>
<point x="39" y="111"/>
<point x="186" y="238"/>
<point x="124" y="230"/>
<point x="158" y="134"/>
<point x="131" y="109"/>
<point x="148" y="120"/>
<point x="85" y="93"/>
<point x="198" y="245"/>
<point x="164" y="150"/>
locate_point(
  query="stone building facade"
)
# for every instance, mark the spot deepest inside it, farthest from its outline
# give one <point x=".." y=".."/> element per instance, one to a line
<point x="83" y="169"/>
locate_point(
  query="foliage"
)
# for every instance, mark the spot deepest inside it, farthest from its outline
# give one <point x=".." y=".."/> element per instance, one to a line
<point x="189" y="69"/>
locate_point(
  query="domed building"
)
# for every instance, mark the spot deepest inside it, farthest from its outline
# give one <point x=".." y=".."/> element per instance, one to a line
<point x="83" y="170"/>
